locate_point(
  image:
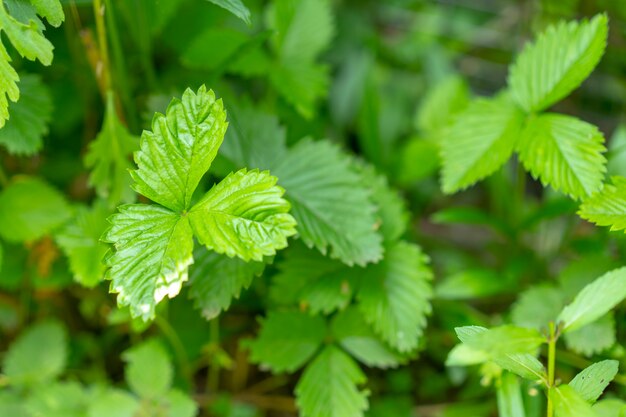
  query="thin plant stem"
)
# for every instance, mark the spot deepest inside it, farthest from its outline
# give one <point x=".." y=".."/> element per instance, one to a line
<point x="104" y="70"/>
<point x="520" y="191"/>
<point x="119" y="62"/>
<point x="146" y="45"/>
<point x="213" y="377"/>
<point x="171" y="335"/>
<point x="4" y="180"/>
<point x="551" y="361"/>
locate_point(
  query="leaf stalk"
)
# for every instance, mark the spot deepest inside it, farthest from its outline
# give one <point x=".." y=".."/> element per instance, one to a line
<point x="551" y="361"/>
<point x="103" y="71"/>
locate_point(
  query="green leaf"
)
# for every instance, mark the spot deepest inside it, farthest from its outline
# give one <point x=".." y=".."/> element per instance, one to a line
<point x="611" y="407"/>
<point x="607" y="207"/>
<point x="616" y="156"/>
<point x="509" y="395"/>
<point x="80" y="241"/>
<point x="469" y="332"/>
<point x="179" y="404"/>
<point x="214" y="48"/>
<point x="113" y="403"/>
<point x="26" y="37"/>
<point x="591" y="381"/>
<point x="392" y="210"/>
<point x="330" y="202"/>
<point x="522" y="364"/>
<point x="302" y="84"/>
<point x="595" y="300"/>
<point x="583" y="271"/>
<point x="28" y="123"/>
<point x="480" y="141"/>
<point x="396" y="405"/>
<point x="501" y="340"/>
<point x="252" y="60"/>
<point x="312" y="280"/>
<point x="373" y="140"/>
<point x="567" y="403"/>
<point x="353" y="334"/>
<point x="536" y="307"/>
<point x="481" y="344"/>
<point x="30" y="209"/>
<point x="447" y="98"/>
<point x="418" y="159"/>
<point x="548" y="212"/>
<point x="244" y="215"/>
<point x="148" y="370"/>
<point x="564" y="152"/>
<point x="470" y="283"/>
<point x="225" y="405"/>
<point x="57" y="399"/>
<point x="180" y="148"/>
<point x="52" y="10"/>
<point x="8" y="85"/>
<point x="153" y="248"/>
<point x="287" y="340"/>
<point x="329" y="386"/>
<point x="594" y="337"/>
<point x="12" y="404"/>
<point x="324" y="294"/>
<point x="155" y="18"/>
<point x="216" y="279"/>
<point x="108" y="158"/>
<point x="254" y="139"/>
<point x="471" y="216"/>
<point x="236" y="7"/>
<point x="38" y="355"/>
<point x="347" y="93"/>
<point x="314" y="174"/>
<point x="464" y="355"/>
<point x="305" y="28"/>
<point x="394" y="296"/>
<point x="559" y="61"/>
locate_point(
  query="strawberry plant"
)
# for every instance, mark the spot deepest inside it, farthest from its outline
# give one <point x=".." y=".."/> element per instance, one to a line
<point x="304" y="207"/>
<point x="514" y="349"/>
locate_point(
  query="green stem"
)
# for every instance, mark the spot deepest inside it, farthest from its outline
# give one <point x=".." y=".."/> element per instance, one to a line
<point x="213" y="377"/>
<point x="181" y="354"/>
<point x="26" y="297"/>
<point x="145" y="45"/>
<point x="119" y="62"/>
<point x="105" y="71"/>
<point x="520" y="192"/>
<point x="551" y="360"/>
<point x="4" y="180"/>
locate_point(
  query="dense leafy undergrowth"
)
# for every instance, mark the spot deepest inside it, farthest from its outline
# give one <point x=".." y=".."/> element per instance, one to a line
<point x="268" y="208"/>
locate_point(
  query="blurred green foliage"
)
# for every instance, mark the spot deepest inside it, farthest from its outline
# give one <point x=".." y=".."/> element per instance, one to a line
<point x="348" y="104"/>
